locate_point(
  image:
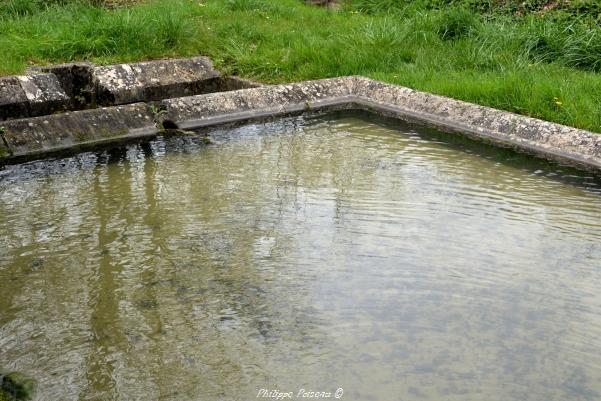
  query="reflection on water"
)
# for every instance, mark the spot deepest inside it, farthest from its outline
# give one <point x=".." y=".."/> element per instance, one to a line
<point x="311" y="253"/>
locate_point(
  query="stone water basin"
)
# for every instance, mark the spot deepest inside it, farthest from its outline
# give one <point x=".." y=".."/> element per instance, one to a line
<point x="316" y="252"/>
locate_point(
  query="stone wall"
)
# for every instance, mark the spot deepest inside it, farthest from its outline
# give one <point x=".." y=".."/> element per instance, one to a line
<point x="190" y="94"/>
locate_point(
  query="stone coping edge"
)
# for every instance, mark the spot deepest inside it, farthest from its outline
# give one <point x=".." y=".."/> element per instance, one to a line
<point x="39" y="137"/>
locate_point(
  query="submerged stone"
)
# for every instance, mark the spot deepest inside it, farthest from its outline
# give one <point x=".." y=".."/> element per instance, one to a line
<point x="36" y="264"/>
<point x="4" y="396"/>
<point x="203" y="137"/>
<point x="147" y="304"/>
<point x="17" y="386"/>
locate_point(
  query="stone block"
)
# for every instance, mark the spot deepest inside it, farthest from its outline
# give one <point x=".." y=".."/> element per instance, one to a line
<point x="153" y="80"/>
<point x="44" y="94"/>
<point x="13" y="101"/>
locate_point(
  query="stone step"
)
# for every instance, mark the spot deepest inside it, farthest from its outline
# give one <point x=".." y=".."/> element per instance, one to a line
<point x="77" y="86"/>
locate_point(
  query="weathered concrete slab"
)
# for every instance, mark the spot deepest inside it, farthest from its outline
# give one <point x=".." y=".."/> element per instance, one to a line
<point x="553" y="141"/>
<point x="57" y="132"/>
<point x="44" y="94"/>
<point x="195" y="111"/>
<point x="76" y="86"/>
<point x="543" y="138"/>
<point x="31" y="95"/>
<point x="154" y="80"/>
<point x="13" y="101"/>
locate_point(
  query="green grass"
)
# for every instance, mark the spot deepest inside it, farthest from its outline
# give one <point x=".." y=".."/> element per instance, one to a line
<point x="527" y="61"/>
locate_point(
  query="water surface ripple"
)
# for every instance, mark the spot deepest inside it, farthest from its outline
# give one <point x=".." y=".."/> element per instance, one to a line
<point x="316" y="253"/>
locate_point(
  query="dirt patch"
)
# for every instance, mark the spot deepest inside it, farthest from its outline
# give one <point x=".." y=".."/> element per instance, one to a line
<point x="332" y="4"/>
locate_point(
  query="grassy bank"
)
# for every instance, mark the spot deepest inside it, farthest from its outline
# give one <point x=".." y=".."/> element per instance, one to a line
<point x="532" y="60"/>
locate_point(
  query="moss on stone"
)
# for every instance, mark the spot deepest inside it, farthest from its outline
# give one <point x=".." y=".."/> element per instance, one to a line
<point x="4" y="152"/>
<point x="117" y="133"/>
<point x="80" y="136"/>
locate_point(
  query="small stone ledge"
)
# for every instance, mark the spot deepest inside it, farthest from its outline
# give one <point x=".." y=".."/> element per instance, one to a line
<point x="277" y="99"/>
<point x="36" y="136"/>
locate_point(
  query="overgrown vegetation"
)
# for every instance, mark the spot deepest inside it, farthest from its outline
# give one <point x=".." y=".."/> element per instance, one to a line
<point x="538" y="58"/>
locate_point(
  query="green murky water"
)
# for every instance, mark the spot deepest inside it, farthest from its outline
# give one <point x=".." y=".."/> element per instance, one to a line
<point x="317" y="253"/>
